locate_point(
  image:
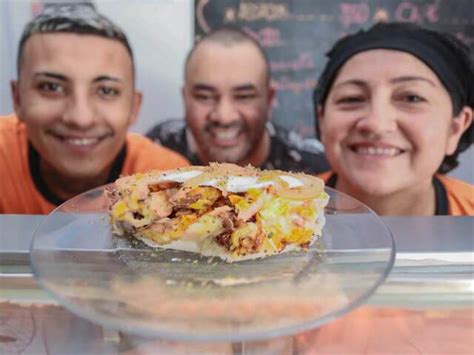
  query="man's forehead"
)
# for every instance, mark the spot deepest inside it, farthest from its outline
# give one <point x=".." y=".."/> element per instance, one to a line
<point x="73" y="49"/>
<point x="236" y="60"/>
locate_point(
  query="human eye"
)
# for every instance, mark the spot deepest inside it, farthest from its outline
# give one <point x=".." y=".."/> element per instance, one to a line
<point x="205" y="97"/>
<point x="412" y="98"/>
<point x="349" y="101"/>
<point x="348" y="96"/>
<point x="354" y="99"/>
<point x="246" y="96"/>
<point x="51" y="88"/>
<point x="107" y="92"/>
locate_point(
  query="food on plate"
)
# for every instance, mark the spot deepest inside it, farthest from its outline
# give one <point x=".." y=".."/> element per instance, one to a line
<point x="223" y="210"/>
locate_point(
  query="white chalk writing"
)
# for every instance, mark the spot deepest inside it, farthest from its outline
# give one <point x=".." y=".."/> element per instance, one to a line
<point x="303" y="61"/>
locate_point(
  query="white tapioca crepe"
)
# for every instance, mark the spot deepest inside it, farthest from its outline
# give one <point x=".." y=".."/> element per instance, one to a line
<point x="221" y="210"/>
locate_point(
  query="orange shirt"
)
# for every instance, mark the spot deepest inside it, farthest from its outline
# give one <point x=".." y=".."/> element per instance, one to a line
<point x="18" y="192"/>
<point x="460" y="195"/>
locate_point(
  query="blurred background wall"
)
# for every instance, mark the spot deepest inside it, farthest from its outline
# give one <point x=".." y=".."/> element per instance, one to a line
<point x="161" y="32"/>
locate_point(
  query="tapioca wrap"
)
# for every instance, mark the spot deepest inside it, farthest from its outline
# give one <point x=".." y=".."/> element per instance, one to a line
<point x="224" y="210"/>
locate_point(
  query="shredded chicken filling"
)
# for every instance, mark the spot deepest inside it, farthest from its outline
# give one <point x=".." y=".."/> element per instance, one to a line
<point x="241" y="223"/>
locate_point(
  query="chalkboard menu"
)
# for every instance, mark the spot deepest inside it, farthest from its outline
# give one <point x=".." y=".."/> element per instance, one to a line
<point x="296" y="34"/>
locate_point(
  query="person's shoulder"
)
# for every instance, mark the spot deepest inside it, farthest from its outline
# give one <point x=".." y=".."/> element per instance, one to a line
<point x="325" y="176"/>
<point x="171" y="134"/>
<point x="12" y="132"/>
<point x="9" y="123"/>
<point x="139" y="141"/>
<point x="453" y="184"/>
<point x="290" y="151"/>
<point x="166" y="129"/>
<point x="142" y="147"/>
<point x="460" y="195"/>
<point x="296" y="141"/>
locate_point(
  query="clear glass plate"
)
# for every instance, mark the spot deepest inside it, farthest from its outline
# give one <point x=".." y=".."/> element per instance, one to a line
<point x="184" y="296"/>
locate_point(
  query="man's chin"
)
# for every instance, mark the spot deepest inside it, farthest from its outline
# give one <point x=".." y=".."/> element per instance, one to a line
<point x="228" y="155"/>
<point x="87" y="174"/>
<point x="226" y="159"/>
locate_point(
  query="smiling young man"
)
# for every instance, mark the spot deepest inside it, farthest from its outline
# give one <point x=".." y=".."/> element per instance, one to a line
<point x="74" y="100"/>
<point x="227" y="97"/>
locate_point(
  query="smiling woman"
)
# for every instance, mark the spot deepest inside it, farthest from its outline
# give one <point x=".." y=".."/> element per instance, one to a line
<point x="394" y="109"/>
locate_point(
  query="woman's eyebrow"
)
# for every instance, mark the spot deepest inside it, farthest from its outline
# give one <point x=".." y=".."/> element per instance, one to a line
<point x="402" y="79"/>
<point x="356" y="82"/>
<point x="396" y="80"/>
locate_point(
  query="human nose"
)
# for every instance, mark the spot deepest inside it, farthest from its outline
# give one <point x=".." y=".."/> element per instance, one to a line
<point x="79" y="111"/>
<point x="224" y="112"/>
<point x="380" y="117"/>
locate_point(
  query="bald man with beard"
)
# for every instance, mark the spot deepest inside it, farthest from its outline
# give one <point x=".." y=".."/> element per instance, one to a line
<point x="227" y="97"/>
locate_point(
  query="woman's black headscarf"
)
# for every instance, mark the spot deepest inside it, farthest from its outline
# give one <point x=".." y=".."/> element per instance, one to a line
<point x="447" y="56"/>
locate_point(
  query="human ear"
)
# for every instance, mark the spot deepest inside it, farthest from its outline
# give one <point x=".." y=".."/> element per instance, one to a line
<point x="186" y="94"/>
<point x="320" y="122"/>
<point x="271" y="94"/>
<point x="136" y="106"/>
<point x="270" y="97"/>
<point x="458" y="126"/>
<point x="15" y="92"/>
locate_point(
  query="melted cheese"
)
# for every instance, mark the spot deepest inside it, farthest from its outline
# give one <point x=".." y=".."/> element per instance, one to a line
<point x="235" y="184"/>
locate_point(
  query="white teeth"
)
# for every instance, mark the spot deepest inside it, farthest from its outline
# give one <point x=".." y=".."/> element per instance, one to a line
<point x="228" y="134"/>
<point x="378" y="151"/>
<point x="82" y="141"/>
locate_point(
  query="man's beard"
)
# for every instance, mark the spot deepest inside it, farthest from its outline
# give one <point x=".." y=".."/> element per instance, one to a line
<point x="234" y="154"/>
<point x="229" y="155"/>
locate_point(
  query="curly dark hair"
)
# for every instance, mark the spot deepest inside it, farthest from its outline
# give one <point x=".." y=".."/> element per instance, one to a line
<point x="447" y="56"/>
